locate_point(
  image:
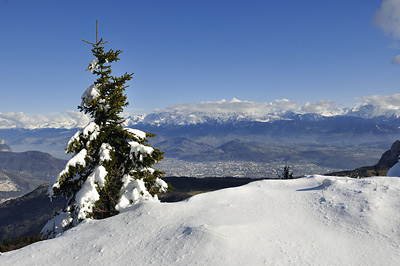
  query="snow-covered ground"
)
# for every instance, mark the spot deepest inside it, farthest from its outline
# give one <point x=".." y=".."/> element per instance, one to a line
<point x="315" y="220"/>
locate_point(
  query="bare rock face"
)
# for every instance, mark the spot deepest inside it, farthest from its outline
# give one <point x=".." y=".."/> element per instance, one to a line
<point x="4" y="147"/>
<point x="390" y="157"/>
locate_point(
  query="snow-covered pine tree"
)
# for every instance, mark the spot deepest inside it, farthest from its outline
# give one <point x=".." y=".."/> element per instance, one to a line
<point x="111" y="166"/>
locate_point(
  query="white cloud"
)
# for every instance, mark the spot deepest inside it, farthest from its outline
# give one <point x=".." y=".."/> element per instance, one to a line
<point x="222" y="106"/>
<point x="323" y="107"/>
<point x="387" y="18"/>
<point x="381" y="104"/>
<point x="285" y="105"/>
<point x="68" y="119"/>
<point x="79" y="118"/>
<point x="235" y="106"/>
<point x="391" y="102"/>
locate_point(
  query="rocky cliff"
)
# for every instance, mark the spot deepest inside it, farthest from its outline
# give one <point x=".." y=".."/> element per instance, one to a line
<point x="390" y="157"/>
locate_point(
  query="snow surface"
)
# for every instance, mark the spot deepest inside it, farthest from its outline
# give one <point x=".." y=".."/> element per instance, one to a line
<point x="315" y="220"/>
<point x="94" y="65"/>
<point x="132" y="192"/>
<point x="78" y="159"/>
<point x="105" y="150"/>
<point x="88" y="194"/>
<point x="91" y="130"/>
<point x="394" y="170"/>
<point x="140" y="134"/>
<point x="91" y="93"/>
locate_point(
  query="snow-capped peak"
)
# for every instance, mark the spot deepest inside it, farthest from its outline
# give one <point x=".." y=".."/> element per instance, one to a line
<point x="369" y="111"/>
<point x="377" y="106"/>
<point x="223" y="111"/>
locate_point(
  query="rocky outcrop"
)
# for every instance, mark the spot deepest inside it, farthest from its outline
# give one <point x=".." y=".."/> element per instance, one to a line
<point x="390" y="157"/>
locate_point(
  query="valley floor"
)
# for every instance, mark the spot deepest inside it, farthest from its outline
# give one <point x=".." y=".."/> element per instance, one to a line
<point x="239" y="169"/>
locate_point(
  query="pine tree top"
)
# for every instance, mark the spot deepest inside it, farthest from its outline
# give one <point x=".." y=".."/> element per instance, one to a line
<point x="104" y="100"/>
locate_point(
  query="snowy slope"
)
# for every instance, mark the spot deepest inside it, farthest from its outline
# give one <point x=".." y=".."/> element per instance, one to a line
<point x="310" y="221"/>
<point x="394" y="170"/>
<point x="369" y="111"/>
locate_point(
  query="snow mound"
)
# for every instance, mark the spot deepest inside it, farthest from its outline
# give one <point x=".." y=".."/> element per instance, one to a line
<point x="395" y="170"/>
<point x="316" y="220"/>
<point x="327" y="182"/>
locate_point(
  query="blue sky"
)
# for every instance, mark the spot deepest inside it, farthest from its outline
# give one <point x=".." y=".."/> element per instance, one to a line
<point x="196" y="50"/>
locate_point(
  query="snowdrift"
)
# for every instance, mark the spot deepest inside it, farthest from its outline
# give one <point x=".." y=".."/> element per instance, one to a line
<point x="394" y="170"/>
<point x="315" y="220"/>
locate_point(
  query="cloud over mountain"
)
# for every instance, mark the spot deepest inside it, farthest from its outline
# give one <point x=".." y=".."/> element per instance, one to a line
<point x="222" y="106"/>
<point x="391" y="102"/>
<point x="68" y="119"/>
<point x="235" y="106"/>
<point x="323" y="107"/>
<point x="193" y="113"/>
<point x="377" y="105"/>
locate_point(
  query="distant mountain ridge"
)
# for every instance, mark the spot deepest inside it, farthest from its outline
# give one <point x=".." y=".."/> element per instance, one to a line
<point x="300" y="129"/>
<point x="180" y="138"/>
<point x="368" y="111"/>
<point x="222" y="112"/>
<point x="190" y="117"/>
<point x="237" y="131"/>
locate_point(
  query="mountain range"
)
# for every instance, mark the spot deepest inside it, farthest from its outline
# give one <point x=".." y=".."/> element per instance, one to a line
<point x="230" y="114"/>
<point x="321" y="135"/>
<point x="217" y="123"/>
<point x="221" y="112"/>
